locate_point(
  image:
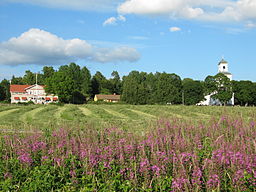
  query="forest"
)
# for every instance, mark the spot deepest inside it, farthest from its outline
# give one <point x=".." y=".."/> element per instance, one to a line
<point x="75" y="84"/>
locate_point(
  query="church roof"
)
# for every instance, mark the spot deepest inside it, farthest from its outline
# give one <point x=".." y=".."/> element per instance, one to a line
<point x="222" y="61"/>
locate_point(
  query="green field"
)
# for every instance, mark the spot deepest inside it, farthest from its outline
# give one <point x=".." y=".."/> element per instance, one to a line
<point x="126" y="117"/>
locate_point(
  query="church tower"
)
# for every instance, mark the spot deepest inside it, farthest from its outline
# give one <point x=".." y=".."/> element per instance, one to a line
<point x="223" y="68"/>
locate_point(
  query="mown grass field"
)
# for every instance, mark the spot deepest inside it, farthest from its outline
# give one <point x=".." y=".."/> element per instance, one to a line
<point x="126" y="117"/>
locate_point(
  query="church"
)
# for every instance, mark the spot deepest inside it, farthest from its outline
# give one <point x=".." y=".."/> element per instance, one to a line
<point x="208" y="100"/>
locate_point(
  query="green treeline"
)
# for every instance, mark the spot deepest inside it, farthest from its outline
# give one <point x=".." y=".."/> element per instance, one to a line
<point x="74" y="84"/>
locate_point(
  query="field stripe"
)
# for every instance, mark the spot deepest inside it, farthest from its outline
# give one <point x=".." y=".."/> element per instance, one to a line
<point x="85" y="111"/>
<point x="176" y="115"/>
<point x="60" y="110"/>
<point x="202" y="115"/>
<point x="3" y="113"/>
<point x="30" y="114"/>
<point x="114" y="113"/>
<point x="142" y="113"/>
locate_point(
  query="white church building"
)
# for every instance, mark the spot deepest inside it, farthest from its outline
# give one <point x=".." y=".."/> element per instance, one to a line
<point x="208" y="100"/>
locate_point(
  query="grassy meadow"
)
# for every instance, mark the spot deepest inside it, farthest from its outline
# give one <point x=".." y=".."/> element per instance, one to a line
<point x="117" y="147"/>
<point x="126" y="117"/>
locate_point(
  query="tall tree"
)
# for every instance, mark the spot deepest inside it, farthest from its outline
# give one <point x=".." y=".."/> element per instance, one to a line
<point x="5" y="84"/>
<point x="254" y="93"/>
<point x="151" y="88"/>
<point x="48" y="72"/>
<point x="223" y="90"/>
<point x="2" y="93"/>
<point x="100" y="85"/>
<point x="131" y="88"/>
<point x="193" y="91"/>
<point x="29" y="78"/>
<point x="67" y="84"/>
<point x="116" y="83"/>
<point x="86" y="84"/>
<point x="244" y="92"/>
<point x="17" y="80"/>
<point x="61" y="85"/>
<point x="143" y="88"/>
<point x="168" y="88"/>
<point x="209" y="85"/>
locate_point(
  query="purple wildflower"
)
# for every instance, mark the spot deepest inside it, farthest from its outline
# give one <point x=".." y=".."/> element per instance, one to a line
<point x="213" y="181"/>
<point x="25" y="158"/>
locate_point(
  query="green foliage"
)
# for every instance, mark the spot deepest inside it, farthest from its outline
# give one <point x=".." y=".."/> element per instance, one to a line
<point x="2" y="93"/>
<point x="26" y="103"/>
<point x="29" y="78"/>
<point x="143" y="88"/>
<point x="116" y="83"/>
<point x="17" y="80"/>
<point x="245" y="92"/>
<point x="220" y="86"/>
<point x="62" y="85"/>
<point x="5" y="90"/>
<point x="86" y="86"/>
<point x="223" y="88"/>
<point x="193" y="92"/>
<point x="100" y="85"/>
<point x="48" y="72"/>
<point x="209" y="85"/>
<point x="168" y="88"/>
<point x="70" y="83"/>
<point x="75" y="85"/>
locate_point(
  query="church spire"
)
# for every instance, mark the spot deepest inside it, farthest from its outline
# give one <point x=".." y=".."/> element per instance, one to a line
<point x="223" y="68"/>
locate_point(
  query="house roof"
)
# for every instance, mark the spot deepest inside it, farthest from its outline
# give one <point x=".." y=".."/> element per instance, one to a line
<point x="18" y="88"/>
<point x="109" y="97"/>
<point x="21" y="88"/>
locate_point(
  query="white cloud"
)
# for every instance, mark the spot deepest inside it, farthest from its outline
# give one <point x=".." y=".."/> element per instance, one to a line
<point x="121" y="18"/>
<point x="41" y="47"/>
<point x="93" y="5"/>
<point x="250" y="25"/>
<point x="174" y="29"/>
<point x="105" y="55"/>
<point x="209" y="10"/>
<point x="114" y="20"/>
<point x="110" y="21"/>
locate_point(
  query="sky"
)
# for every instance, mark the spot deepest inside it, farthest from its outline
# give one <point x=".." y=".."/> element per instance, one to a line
<point x="186" y="37"/>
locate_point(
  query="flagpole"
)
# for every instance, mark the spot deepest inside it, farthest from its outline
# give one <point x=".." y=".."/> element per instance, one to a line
<point x="36" y="78"/>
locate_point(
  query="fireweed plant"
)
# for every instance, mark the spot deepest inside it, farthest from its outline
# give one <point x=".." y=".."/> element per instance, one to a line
<point x="175" y="155"/>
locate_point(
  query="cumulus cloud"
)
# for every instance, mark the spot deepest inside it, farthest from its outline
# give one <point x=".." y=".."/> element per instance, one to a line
<point x="110" y="21"/>
<point x="41" y="47"/>
<point x="174" y="29"/>
<point x="210" y="10"/>
<point x="114" y="20"/>
<point x="94" y="5"/>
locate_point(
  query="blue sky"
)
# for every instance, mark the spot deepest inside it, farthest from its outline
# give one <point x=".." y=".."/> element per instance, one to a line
<point x="186" y="37"/>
